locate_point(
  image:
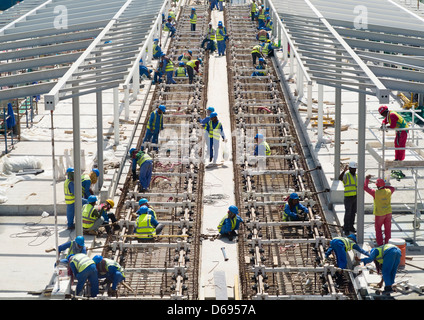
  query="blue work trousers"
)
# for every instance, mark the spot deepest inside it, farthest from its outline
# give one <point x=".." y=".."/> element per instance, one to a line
<point x="221" y="47"/>
<point x="391" y="261"/>
<point x="145" y="175"/>
<point x="169" y="77"/>
<point x="70" y="212"/>
<point x="151" y="136"/>
<point x="89" y="273"/>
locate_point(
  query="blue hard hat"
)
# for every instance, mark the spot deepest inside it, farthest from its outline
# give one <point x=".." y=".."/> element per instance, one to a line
<point x="213" y="115"/>
<point x="132" y="150"/>
<point x="268" y="18"/>
<point x="193" y="8"/>
<point x="211" y="109"/>
<point x="352" y="236"/>
<point x="261" y="59"/>
<point x="96" y="171"/>
<point x="259" y="136"/>
<point x="162" y="108"/>
<point x="294" y="196"/>
<point x="200" y="60"/>
<point x="143" y="209"/>
<point x="142" y="201"/>
<point x="80" y="240"/>
<point x="219" y="23"/>
<point x="181" y="64"/>
<point x="155" y="40"/>
<point x="92" y="199"/>
<point x="69" y="170"/>
<point x="189" y="51"/>
<point x="233" y="209"/>
<point x="97" y="258"/>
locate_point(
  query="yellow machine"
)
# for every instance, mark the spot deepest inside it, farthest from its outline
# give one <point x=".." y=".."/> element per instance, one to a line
<point x="408" y="104"/>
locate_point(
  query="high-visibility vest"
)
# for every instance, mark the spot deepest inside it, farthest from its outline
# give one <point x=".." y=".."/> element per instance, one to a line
<point x="349" y="243"/>
<point x="211" y="34"/>
<point x="262" y="35"/>
<point x="111" y="263"/>
<point x="84" y="177"/>
<point x="69" y="196"/>
<point x="257" y="49"/>
<point x="169" y="66"/>
<point x="382" y="202"/>
<point x="233" y="222"/>
<point x="155" y="48"/>
<point x="165" y="27"/>
<point x="286" y="217"/>
<point x="171" y="14"/>
<point x="253" y="7"/>
<point x="186" y="57"/>
<point x="181" y="72"/>
<point x="267" y="148"/>
<point x="87" y="219"/>
<point x="152" y="212"/>
<point x="350" y="186"/>
<point x="261" y="15"/>
<point x="400" y="123"/>
<point x="81" y="261"/>
<point x="143" y="158"/>
<point x="144" y="227"/>
<point x="381" y="251"/>
<point x="74" y="248"/>
<point x="269" y="25"/>
<point x="215" y="133"/>
<point x="191" y="63"/>
<point x="152" y="128"/>
<point x="193" y="20"/>
<point x="219" y="36"/>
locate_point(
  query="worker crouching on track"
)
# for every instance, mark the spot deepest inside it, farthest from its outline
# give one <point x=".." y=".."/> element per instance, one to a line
<point x="145" y="162"/>
<point x="104" y="209"/>
<point x="87" y="181"/>
<point x="193" y="65"/>
<point x="83" y="269"/>
<point x="387" y="260"/>
<point x="154" y="126"/>
<point x="294" y="210"/>
<point x="146" y="226"/>
<point x="261" y="68"/>
<point x="91" y="217"/>
<point x="340" y="246"/>
<point x="111" y="271"/>
<point x="230" y="223"/>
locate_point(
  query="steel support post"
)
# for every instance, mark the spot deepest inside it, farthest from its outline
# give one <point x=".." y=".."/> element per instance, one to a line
<point x="116" y="114"/>
<point x="362" y="117"/>
<point x="337" y="132"/>
<point x="99" y="116"/>
<point x="77" y="164"/>
<point x="320" y="112"/>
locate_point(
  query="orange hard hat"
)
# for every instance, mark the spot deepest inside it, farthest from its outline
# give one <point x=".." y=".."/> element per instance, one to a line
<point x="380" y="183"/>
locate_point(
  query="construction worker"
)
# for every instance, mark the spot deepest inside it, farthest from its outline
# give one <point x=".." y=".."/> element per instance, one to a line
<point x="193" y="19"/>
<point x="157" y="51"/>
<point x="146" y="226"/>
<point x="393" y="120"/>
<point x="88" y="180"/>
<point x="221" y="5"/>
<point x="214" y="4"/>
<point x="193" y="65"/>
<point x="262" y="35"/>
<point x="261" y="17"/>
<point x="221" y="37"/>
<point x="387" y="260"/>
<point x="157" y="76"/>
<point x="215" y="130"/>
<point x="294" y="210"/>
<point x="171" y="15"/>
<point x="73" y="246"/>
<point x="91" y="217"/>
<point x="169" y="26"/>
<point x="256" y="53"/>
<point x="83" y="269"/>
<point x="209" y="39"/>
<point x="70" y="198"/>
<point x="181" y="70"/>
<point x="104" y="209"/>
<point x="205" y="121"/>
<point x="382" y="209"/>
<point x="268" y="24"/>
<point x="262" y="147"/>
<point x="350" y="180"/>
<point x="268" y="49"/>
<point x="154" y="126"/>
<point x="145" y="202"/>
<point x="230" y="223"/>
<point x="186" y="56"/>
<point x="111" y="270"/>
<point x="253" y="8"/>
<point x="168" y="68"/>
<point x="145" y="162"/>
<point x="144" y="71"/>
<point x="261" y="67"/>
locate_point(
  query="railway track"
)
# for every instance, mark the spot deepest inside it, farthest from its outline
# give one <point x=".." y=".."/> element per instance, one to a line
<point x="277" y="259"/>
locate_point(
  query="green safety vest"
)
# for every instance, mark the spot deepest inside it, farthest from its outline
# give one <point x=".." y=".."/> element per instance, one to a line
<point x="169" y="66"/>
<point x="233" y="223"/>
<point x="73" y="249"/>
<point x="181" y="72"/>
<point x="194" y="19"/>
<point x="215" y="133"/>
<point x="155" y="48"/>
<point x="87" y="218"/>
<point x="382" y="202"/>
<point x="112" y="263"/>
<point x="400" y="123"/>
<point x="381" y="251"/>
<point x="219" y="37"/>
<point x="261" y="15"/>
<point x="152" y="128"/>
<point x="211" y="34"/>
<point x="267" y="148"/>
<point x="143" y="158"/>
<point x="349" y="243"/>
<point x="81" y="261"/>
<point x="191" y="63"/>
<point x="286" y="216"/>
<point x="144" y="228"/>
<point x="253" y="7"/>
<point x="257" y="49"/>
<point x="69" y="197"/>
<point x="269" y="24"/>
<point x="350" y="186"/>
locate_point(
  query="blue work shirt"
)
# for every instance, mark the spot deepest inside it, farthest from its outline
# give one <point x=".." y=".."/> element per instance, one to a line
<point x="227" y="226"/>
<point x="339" y="243"/>
<point x="293" y="213"/>
<point x="158" y="124"/>
<point x="77" y="248"/>
<point x="214" y="125"/>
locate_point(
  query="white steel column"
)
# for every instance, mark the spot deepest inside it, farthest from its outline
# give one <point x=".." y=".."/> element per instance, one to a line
<point x="362" y="117"/>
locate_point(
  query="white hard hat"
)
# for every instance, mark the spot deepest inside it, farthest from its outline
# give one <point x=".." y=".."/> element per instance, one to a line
<point x="352" y="165"/>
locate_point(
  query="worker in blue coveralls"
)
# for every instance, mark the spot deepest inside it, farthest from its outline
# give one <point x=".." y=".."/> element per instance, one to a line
<point x="147" y="227"/>
<point x="154" y="126"/>
<point x="73" y="246"/>
<point x="157" y="75"/>
<point x="230" y="223"/>
<point x="387" y="260"/>
<point x="181" y="70"/>
<point x="111" y="271"/>
<point x="294" y="210"/>
<point x="193" y="19"/>
<point x="221" y="37"/>
<point x="69" y="191"/>
<point x="215" y="131"/>
<point x="84" y="268"/>
<point x="87" y="180"/>
<point x="268" y="24"/>
<point x="157" y="50"/>
<point x="169" y="26"/>
<point x="145" y="162"/>
<point x="144" y="70"/>
<point x="168" y="68"/>
<point x="209" y="39"/>
<point x="145" y="202"/>
<point x="261" y="68"/>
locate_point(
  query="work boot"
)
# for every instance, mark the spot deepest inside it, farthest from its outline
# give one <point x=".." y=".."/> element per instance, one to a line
<point x="387" y="290"/>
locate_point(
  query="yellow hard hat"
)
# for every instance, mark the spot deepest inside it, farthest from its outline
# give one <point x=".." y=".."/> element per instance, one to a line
<point x="110" y="201"/>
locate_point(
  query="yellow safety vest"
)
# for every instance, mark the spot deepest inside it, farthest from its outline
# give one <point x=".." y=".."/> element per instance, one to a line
<point x="181" y="72"/>
<point x="261" y="15"/>
<point x="215" y="133"/>
<point x="382" y="202"/>
<point x="253" y="7"/>
<point x="69" y="197"/>
<point x="350" y="186"/>
<point x="194" y="19"/>
<point x="152" y="128"/>
<point x="143" y="158"/>
<point x="381" y="251"/>
<point x="112" y="263"/>
<point x="84" y="177"/>
<point x="233" y="222"/>
<point x="155" y="48"/>
<point x="257" y="49"/>
<point x="169" y="66"/>
<point x="81" y="261"/>
<point x="191" y="63"/>
<point x="144" y="228"/>
<point x="73" y="248"/>
<point x="87" y="218"/>
<point x="269" y="24"/>
<point x="219" y="37"/>
<point x="400" y="123"/>
<point x="349" y="243"/>
<point x="267" y="148"/>
<point x="211" y="34"/>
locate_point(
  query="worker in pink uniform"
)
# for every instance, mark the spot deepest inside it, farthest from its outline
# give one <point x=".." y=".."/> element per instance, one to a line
<point x="394" y="121"/>
<point x="382" y="209"/>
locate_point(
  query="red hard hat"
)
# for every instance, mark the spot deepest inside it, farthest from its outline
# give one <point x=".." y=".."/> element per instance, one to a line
<point x="382" y="109"/>
<point x="380" y="183"/>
